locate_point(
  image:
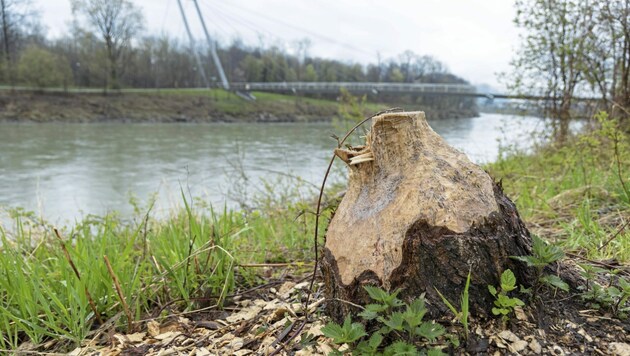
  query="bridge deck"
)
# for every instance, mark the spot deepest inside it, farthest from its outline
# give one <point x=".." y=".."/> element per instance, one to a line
<point x="359" y="88"/>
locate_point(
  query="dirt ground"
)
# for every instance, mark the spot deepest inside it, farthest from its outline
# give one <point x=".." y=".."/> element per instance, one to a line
<point x="132" y="107"/>
<point x="271" y="320"/>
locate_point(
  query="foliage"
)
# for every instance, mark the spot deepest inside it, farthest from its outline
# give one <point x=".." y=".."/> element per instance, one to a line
<point x="504" y="305"/>
<point x="544" y="254"/>
<point x="574" y="46"/>
<point x="349" y="332"/>
<point x="351" y="111"/>
<point x="40" y="68"/>
<point x="613" y="297"/>
<point x="462" y="314"/>
<point x="117" y="22"/>
<point x="187" y="259"/>
<point x="574" y="194"/>
<point x="394" y="317"/>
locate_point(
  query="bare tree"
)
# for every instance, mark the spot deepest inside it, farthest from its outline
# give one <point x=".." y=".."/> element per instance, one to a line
<point x="14" y="19"/>
<point x="551" y="59"/>
<point x="117" y="22"/>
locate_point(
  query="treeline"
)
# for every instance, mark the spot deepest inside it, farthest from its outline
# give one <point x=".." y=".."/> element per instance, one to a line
<point x="91" y="56"/>
<point x="575" y="48"/>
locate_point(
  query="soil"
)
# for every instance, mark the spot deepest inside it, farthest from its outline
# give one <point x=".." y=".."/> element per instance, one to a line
<point x="270" y="319"/>
<point x="142" y="107"/>
<point x="175" y="107"/>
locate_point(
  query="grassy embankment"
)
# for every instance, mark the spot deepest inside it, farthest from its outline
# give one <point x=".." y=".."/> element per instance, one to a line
<point x="573" y="195"/>
<point x="169" y="105"/>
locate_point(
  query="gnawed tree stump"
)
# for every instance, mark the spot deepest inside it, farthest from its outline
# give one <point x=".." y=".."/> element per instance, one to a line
<point x="418" y="215"/>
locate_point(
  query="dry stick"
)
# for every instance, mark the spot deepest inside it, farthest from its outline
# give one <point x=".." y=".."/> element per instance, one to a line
<point x="614" y="236"/>
<point x="317" y="215"/>
<point x="321" y="194"/>
<point x="76" y="273"/>
<point x="599" y="263"/>
<point x="121" y="296"/>
<point x="254" y="265"/>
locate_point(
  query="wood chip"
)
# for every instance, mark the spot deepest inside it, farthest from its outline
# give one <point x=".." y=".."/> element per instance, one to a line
<point x="619" y="348"/>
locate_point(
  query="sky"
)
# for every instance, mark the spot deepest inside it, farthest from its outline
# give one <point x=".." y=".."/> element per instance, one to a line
<point x="475" y="39"/>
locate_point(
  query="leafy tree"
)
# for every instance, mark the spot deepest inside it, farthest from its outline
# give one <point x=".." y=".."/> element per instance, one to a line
<point x="41" y="68"/>
<point x="551" y="59"/>
<point x="15" y="21"/>
<point x="117" y="22"/>
<point x="310" y="75"/>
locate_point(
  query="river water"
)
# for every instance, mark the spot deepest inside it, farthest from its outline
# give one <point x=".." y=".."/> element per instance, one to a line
<point x="66" y="171"/>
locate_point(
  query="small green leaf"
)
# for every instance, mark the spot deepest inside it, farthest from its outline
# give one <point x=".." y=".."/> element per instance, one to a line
<point x="435" y="352"/>
<point x="376" y="293"/>
<point x="372" y="310"/>
<point x="401" y="348"/>
<point x="333" y="331"/>
<point x="430" y="330"/>
<point x="375" y="341"/>
<point x="447" y="303"/>
<point x="492" y="290"/>
<point x="508" y="281"/>
<point x="555" y="281"/>
<point x="347" y="333"/>
<point x="394" y="322"/>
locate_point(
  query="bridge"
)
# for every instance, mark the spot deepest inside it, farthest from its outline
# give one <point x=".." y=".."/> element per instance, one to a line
<point x="358" y="88"/>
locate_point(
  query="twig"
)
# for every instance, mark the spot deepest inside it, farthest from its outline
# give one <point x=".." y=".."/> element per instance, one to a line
<point x="609" y="266"/>
<point x="121" y="296"/>
<point x="273" y="264"/>
<point x="76" y="273"/>
<point x="293" y="336"/>
<point x="614" y="236"/>
<point x="321" y="194"/>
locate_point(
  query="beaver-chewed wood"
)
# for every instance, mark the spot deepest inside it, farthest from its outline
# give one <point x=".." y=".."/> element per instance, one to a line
<point x="418" y="215"/>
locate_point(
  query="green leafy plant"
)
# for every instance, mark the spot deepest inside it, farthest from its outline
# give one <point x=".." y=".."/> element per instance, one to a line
<point x="405" y="322"/>
<point x="505" y="305"/>
<point x="348" y="332"/>
<point x="613" y="296"/>
<point x="462" y="314"/>
<point x="544" y="254"/>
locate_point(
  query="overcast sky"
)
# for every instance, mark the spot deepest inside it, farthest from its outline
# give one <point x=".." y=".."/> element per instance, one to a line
<point x="476" y="39"/>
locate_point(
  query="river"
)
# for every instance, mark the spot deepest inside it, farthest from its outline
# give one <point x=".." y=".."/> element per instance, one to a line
<point x="66" y="171"/>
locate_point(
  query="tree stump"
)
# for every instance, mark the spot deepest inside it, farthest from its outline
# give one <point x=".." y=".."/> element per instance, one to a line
<point x="418" y="215"/>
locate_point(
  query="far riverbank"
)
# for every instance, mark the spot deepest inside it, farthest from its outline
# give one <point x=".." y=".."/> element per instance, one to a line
<point x="179" y="105"/>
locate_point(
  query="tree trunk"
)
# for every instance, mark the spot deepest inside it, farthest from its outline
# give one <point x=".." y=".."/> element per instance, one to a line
<point x="418" y="215"/>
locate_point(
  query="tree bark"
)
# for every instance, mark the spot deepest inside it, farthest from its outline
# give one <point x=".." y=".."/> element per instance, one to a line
<point x="418" y="216"/>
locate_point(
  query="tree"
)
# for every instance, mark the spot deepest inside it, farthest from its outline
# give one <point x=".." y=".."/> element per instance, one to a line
<point x="15" y="19"/>
<point x="608" y="58"/>
<point x="41" y="68"/>
<point x="417" y="218"/>
<point x="551" y="59"/>
<point x="117" y="22"/>
<point x="310" y="75"/>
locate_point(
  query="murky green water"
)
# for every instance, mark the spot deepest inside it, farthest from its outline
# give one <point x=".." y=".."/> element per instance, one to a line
<point x="64" y="171"/>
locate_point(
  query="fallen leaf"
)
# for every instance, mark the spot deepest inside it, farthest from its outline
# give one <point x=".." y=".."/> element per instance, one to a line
<point x="245" y="314"/>
<point x="520" y="314"/>
<point x="153" y="328"/>
<point x="619" y="348"/>
<point x="518" y="346"/>
<point x="286" y="288"/>
<point x="534" y="345"/>
<point x="509" y="336"/>
<point x="586" y="336"/>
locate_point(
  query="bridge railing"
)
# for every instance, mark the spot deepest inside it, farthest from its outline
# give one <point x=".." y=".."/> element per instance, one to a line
<point x="334" y="87"/>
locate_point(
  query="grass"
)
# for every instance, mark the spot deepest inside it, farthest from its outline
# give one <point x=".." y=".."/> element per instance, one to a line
<point x="189" y="261"/>
<point x="575" y="194"/>
<point x="205" y="105"/>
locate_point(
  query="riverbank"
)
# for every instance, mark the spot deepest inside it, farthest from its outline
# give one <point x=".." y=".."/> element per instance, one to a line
<point x="176" y="274"/>
<point x="178" y="105"/>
